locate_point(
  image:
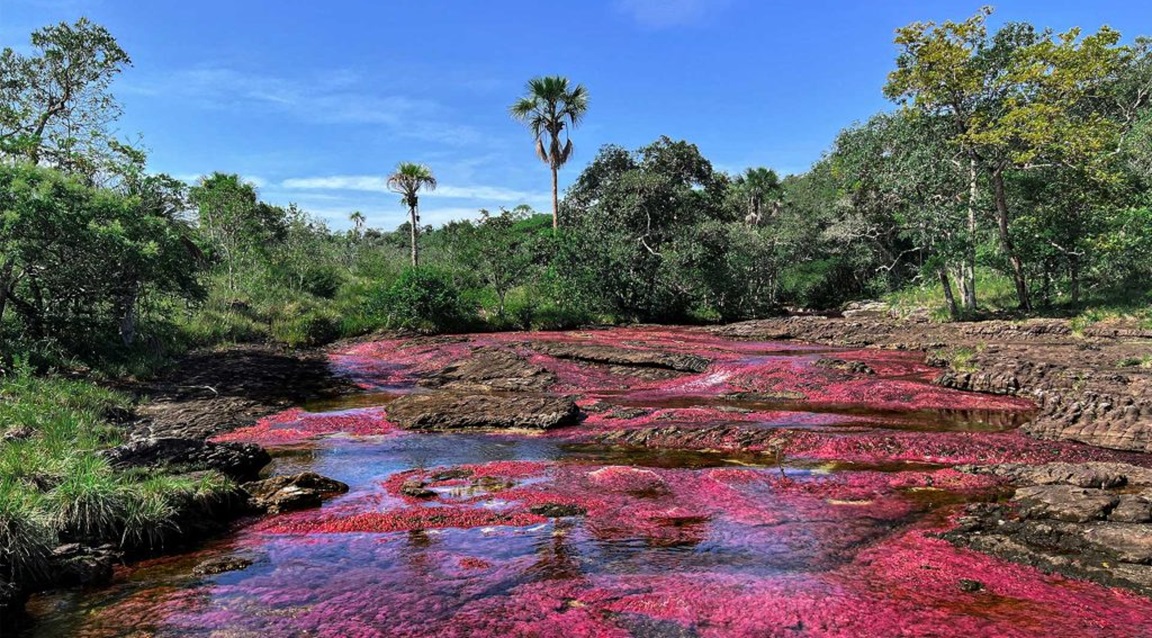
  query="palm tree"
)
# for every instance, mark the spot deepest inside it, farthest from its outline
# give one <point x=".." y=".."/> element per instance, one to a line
<point x="357" y="218"/>
<point x="408" y="179"/>
<point x="550" y="105"/>
<point x="759" y="184"/>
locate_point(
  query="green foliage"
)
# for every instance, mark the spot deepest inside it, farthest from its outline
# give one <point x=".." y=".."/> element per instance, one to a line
<point x="306" y="328"/>
<point x="421" y="299"/>
<point x="54" y="486"/>
<point x="125" y="249"/>
<point x="55" y="104"/>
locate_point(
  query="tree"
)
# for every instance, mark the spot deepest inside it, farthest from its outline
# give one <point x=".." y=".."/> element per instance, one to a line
<point x="550" y="107"/>
<point x="408" y="179"/>
<point x="55" y="107"/>
<point x="357" y="218"/>
<point x="499" y="249"/>
<point x="234" y="219"/>
<point x="759" y="185"/>
<point x="76" y="261"/>
<point x="1017" y="101"/>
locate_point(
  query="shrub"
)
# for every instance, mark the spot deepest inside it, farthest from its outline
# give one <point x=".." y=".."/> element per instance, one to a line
<point x="422" y="299"/>
<point x="307" y="328"/>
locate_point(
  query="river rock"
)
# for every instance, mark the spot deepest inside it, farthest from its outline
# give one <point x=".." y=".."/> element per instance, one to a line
<point x="78" y="564"/>
<point x="451" y="411"/>
<point x="620" y="356"/>
<point x="1064" y="503"/>
<point x="221" y="565"/>
<point x="1130" y="543"/>
<point x="286" y="493"/>
<point x="1133" y="508"/>
<point x="488" y="369"/>
<point x="241" y="461"/>
<point x="1090" y="474"/>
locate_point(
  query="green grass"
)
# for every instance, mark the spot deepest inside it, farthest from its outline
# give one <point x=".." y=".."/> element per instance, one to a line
<point x="959" y="359"/>
<point x="55" y="487"/>
<point x="994" y="293"/>
<point x="1144" y="361"/>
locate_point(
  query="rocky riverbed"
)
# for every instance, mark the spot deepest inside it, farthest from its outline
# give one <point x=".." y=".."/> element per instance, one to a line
<point x="798" y="477"/>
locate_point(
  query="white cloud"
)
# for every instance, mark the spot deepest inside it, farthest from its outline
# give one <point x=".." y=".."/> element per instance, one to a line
<point x="379" y="183"/>
<point x="658" y="14"/>
<point x="333" y="97"/>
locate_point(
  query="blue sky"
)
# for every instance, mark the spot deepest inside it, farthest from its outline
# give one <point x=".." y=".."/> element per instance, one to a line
<point x="316" y="101"/>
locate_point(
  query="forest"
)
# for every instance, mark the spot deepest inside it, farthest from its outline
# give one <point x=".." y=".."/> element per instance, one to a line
<point x="1011" y="177"/>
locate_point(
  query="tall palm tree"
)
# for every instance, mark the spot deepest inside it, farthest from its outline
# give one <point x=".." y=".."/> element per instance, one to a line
<point x="408" y="179"/>
<point x="357" y="218"/>
<point x="550" y="105"/>
<point x="759" y="184"/>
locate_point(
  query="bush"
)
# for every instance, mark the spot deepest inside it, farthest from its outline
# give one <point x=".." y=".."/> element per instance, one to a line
<point x="422" y="299"/>
<point x="308" y="328"/>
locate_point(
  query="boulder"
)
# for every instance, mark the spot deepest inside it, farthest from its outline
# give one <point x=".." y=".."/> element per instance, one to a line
<point x="451" y="411"/>
<point x="287" y="493"/>
<point x="241" y="461"/>
<point x="221" y="564"/>
<point x="1133" y="508"/>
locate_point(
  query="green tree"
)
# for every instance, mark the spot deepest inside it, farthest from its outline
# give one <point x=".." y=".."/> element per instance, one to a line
<point x="760" y="187"/>
<point x="1017" y="101"/>
<point x="76" y="261"/>
<point x="235" y="220"/>
<point x="357" y="218"/>
<point x="408" y="180"/>
<point x="55" y="104"/>
<point x="499" y="250"/>
<point x="552" y="107"/>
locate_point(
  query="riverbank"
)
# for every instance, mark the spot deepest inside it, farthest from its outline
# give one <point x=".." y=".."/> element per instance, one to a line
<point x="97" y="474"/>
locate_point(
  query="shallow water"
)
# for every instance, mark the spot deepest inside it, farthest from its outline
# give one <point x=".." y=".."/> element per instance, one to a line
<point x="825" y="530"/>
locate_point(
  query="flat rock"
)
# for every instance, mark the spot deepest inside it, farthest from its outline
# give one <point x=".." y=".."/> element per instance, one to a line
<point x="1064" y="503"/>
<point x="1128" y="542"/>
<point x="620" y="356"/>
<point x="287" y="493"/>
<point x="1133" y="508"/>
<point x="241" y="461"/>
<point x="452" y="411"/>
<point x="488" y="369"/>
<point x="1090" y="474"/>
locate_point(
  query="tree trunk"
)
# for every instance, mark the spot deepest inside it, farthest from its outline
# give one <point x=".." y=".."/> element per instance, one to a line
<point x="968" y="268"/>
<point x="415" y="250"/>
<point x="1006" y="240"/>
<point x="555" y="200"/>
<point x="5" y="286"/>
<point x="953" y="310"/>
<point x="127" y="308"/>
<point x="1074" y="277"/>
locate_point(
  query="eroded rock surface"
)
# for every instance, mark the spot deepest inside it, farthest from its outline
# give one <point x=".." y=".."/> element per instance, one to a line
<point x="488" y="369"/>
<point x="620" y="356"/>
<point x="241" y="461"/>
<point x="287" y="493"/>
<point x="1088" y="386"/>
<point x="451" y="411"/>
